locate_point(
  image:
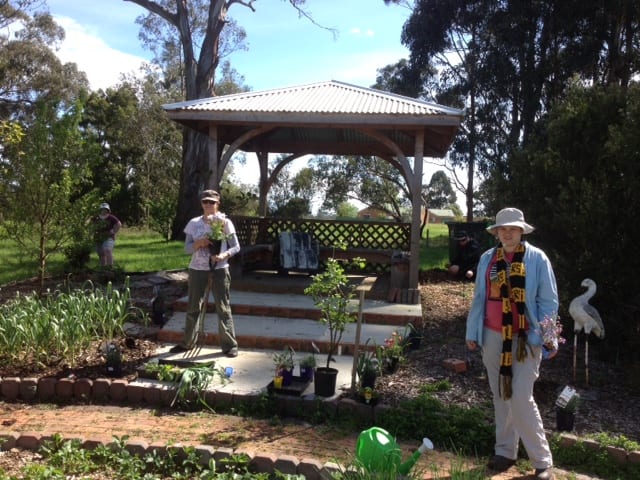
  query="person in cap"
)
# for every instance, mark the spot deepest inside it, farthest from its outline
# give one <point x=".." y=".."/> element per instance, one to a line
<point x="515" y="291"/>
<point x="211" y="240"/>
<point x="105" y="226"/>
<point x="465" y="262"/>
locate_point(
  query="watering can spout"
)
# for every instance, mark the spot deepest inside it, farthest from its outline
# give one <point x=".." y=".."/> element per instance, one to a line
<point x="405" y="467"/>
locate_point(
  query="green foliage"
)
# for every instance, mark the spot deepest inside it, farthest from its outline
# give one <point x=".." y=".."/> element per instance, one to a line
<point x="66" y="459"/>
<point x="284" y="360"/>
<point x="346" y="210"/>
<point x="371" y="180"/>
<point x="582" y="169"/>
<point x="47" y="170"/>
<point x="447" y="425"/>
<point x="61" y="324"/>
<point x="332" y="295"/>
<point x="439" y="193"/>
<point x="308" y="361"/>
<point x="582" y="458"/>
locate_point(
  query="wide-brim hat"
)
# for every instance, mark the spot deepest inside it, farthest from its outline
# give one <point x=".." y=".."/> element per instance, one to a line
<point x="210" y="195"/>
<point x="510" y="217"/>
<point x="105" y="206"/>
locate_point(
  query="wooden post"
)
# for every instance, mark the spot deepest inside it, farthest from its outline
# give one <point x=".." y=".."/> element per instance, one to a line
<point x="365" y="286"/>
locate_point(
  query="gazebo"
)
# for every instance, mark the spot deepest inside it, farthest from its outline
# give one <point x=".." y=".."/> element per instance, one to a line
<point x="325" y="118"/>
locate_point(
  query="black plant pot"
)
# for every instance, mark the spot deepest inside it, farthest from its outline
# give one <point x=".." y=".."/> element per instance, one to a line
<point x="564" y="420"/>
<point x="391" y="364"/>
<point x="414" y="339"/>
<point x="368" y="379"/>
<point x="214" y="247"/>
<point x="325" y="381"/>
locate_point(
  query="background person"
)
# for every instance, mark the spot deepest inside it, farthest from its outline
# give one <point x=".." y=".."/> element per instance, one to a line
<point x="515" y="290"/>
<point x="105" y="227"/>
<point x="215" y="265"/>
<point x="468" y="252"/>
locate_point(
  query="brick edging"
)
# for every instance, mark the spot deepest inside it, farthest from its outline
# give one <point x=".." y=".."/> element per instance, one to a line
<point x="50" y="389"/>
<point x="258" y="462"/>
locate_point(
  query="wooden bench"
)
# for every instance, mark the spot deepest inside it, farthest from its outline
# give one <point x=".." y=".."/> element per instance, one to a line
<point x="252" y="257"/>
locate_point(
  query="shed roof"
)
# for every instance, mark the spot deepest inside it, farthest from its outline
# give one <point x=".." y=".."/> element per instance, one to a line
<point x="332" y="117"/>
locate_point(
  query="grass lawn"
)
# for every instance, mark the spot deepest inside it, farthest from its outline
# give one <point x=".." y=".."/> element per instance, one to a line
<point x="145" y="251"/>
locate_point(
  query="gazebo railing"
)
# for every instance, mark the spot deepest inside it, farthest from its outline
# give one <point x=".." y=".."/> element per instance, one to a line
<point x="350" y="234"/>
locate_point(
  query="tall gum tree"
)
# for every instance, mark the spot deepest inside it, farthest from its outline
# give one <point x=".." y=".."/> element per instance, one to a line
<point x="200" y="61"/>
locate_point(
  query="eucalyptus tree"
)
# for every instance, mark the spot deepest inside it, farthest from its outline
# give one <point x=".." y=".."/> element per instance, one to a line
<point x="197" y="28"/>
<point x="579" y="176"/>
<point x="292" y="194"/>
<point x="439" y="193"/>
<point x="370" y="180"/>
<point x="507" y="62"/>
<point x="30" y="71"/>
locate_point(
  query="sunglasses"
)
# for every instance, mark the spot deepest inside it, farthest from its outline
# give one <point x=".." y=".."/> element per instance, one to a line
<point x="209" y="202"/>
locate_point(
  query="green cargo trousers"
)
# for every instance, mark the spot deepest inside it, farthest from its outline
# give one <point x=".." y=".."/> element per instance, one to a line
<point x="221" y="282"/>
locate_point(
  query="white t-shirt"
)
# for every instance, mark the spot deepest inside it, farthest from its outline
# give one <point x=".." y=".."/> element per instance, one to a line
<point x="198" y="228"/>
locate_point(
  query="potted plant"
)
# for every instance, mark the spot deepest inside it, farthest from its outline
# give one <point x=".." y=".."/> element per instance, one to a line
<point x="566" y="407"/>
<point x="307" y="367"/>
<point x="412" y="336"/>
<point x="392" y="352"/>
<point x="284" y="365"/>
<point x="332" y="294"/>
<point x="368" y="366"/>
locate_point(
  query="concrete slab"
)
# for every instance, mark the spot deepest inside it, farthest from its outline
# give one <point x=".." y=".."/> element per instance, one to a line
<point x="253" y="370"/>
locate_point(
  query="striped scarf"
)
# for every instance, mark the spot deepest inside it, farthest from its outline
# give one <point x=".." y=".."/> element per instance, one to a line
<point x="512" y="284"/>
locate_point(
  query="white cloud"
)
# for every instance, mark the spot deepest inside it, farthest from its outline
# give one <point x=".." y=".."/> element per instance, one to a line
<point x="102" y="63"/>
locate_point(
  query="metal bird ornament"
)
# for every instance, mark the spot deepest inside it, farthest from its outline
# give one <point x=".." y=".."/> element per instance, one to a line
<point x="587" y="318"/>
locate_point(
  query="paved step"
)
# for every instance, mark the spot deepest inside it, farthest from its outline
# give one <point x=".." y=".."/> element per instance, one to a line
<point x="290" y="305"/>
<point x="275" y="333"/>
<point x="273" y="321"/>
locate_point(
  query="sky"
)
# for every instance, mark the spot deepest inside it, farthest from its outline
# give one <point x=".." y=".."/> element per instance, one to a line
<point x="284" y="49"/>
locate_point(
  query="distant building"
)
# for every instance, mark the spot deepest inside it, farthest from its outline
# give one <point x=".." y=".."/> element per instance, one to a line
<point x="370" y="213"/>
<point x="440" y="215"/>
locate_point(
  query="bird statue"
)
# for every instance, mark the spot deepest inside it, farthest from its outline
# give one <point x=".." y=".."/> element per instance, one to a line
<point x="587" y="318"/>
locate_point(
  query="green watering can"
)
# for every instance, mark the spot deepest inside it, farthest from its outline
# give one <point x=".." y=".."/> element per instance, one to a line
<point x="378" y="452"/>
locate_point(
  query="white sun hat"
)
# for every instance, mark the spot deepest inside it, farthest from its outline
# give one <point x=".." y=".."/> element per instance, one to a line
<point x="510" y="217"/>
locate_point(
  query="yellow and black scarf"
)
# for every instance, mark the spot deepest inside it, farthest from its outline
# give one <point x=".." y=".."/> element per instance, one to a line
<point x="512" y="284"/>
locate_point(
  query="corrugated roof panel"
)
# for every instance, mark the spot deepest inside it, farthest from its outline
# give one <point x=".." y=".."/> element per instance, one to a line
<point x="324" y="97"/>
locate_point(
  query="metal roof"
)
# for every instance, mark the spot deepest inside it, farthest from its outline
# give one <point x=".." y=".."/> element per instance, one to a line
<point x="329" y="117"/>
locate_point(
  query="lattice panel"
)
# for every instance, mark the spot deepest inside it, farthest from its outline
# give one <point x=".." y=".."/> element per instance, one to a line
<point x="328" y="233"/>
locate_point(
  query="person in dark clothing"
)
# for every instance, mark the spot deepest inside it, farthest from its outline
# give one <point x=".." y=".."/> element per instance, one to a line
<point x="468" y="252"/>
<point x="105" y="227"/>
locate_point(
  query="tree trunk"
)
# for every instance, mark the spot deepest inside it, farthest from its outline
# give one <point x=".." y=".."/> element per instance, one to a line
<point x="199" y="83"/>
<point x="195" y="178"/>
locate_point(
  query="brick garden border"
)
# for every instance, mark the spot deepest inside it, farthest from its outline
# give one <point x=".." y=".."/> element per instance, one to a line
<point x="106" y="390"/>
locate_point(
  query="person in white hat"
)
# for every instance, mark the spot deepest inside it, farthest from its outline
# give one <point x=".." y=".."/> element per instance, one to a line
<point x="105" y="227"/>
<point x="515" y="291"/>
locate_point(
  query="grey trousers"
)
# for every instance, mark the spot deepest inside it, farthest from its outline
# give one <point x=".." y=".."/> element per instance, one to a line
<point x="221" y="282"/>
<point x="517" y="418"/>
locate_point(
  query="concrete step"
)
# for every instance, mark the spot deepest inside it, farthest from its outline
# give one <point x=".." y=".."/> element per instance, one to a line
<point x="290" y="305"/>
<point x="273" y="321"/>
<point x="275" y="333"/>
